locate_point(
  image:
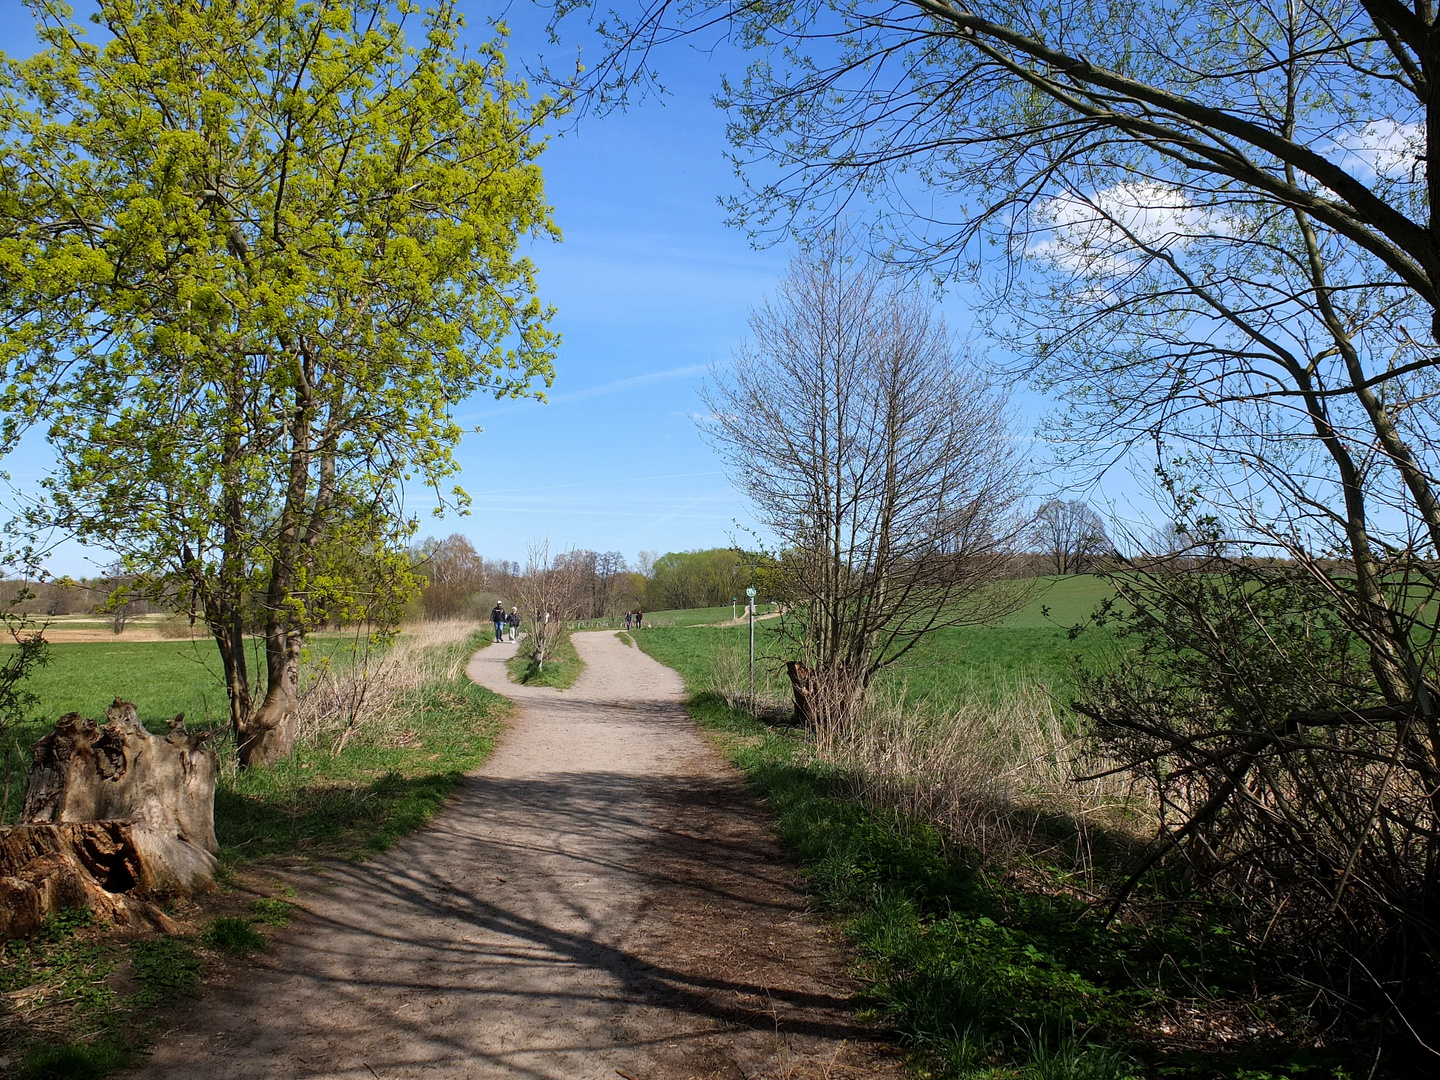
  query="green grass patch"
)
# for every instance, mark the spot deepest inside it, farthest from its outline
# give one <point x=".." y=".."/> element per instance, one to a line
<point x="167" y="970"/>
<point x="271" y="911"/>
<point x="560" y="671"/>
<point x="233" y="935"/>
<point x="988" y="663"/>
<point x="75" y="1061"/>
<point x="699" y="616"/>
<point x="1057" y="602"/>
<point x="1060" y="602"/>
<point x="994" y="972"/>
<point x="71" y="961"/>
<point x="63" y="974"/>
<point x="963" y="664"/>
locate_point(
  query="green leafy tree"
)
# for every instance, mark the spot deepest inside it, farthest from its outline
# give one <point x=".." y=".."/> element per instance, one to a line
<point x="252" y="253"/>
<point x="695" y="579"/>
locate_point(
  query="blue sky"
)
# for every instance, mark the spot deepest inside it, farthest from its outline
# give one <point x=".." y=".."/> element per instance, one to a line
<point x="651" y="287"/>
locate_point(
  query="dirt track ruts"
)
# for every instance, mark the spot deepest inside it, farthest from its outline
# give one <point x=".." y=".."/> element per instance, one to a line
<point x="602" y="899"/>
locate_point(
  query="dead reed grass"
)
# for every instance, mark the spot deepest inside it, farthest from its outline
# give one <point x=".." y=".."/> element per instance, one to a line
<point x="1000" y="776"/>
<point x="729" y="680"/>
<point x="996" y="778"/>
<point x="377" y="687"/>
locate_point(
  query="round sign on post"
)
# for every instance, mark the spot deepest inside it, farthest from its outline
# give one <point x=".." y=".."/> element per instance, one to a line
<point x="750" y="591"/>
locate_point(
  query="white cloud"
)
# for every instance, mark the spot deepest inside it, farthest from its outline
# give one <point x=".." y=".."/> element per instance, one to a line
<point x="1102" y="234"/>
<point x="1383" y="149"/>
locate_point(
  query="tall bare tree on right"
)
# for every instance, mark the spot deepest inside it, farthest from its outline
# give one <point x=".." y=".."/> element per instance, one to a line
<point x="879" y="461"/>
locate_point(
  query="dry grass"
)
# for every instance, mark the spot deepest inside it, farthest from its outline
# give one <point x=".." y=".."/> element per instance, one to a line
<point x="378" y="689"/>
<point x="992" y="775"/>
<point x="988" y="775"/>
<point x="728" y="678"/>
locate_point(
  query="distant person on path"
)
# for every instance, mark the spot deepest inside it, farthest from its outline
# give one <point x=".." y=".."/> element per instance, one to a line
<point x="639" y="619"/>
<point x="629" y="617"/>
<point x="513" y="622"/>
<point x="497" y="616"/>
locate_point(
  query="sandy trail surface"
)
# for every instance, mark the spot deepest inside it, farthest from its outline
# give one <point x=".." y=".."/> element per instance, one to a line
<point x="601" y="900"/>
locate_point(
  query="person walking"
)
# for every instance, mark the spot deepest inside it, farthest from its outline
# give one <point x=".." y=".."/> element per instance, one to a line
<point x="639" y="619"/>
<point x="513" y="622"/>
<point x="629" y="616"/>
<point x="497" y="616"/>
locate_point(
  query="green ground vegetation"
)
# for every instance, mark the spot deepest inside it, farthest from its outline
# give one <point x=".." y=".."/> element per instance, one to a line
<point x="1033" y="646"/>
<point x="699" y="616"/>
<point x="81" y="1001"/>
<point x="560" y="670"/>
<point x="385" y="783"/>
<point x="1000" y="970"/>
<point x="86" y="998"/>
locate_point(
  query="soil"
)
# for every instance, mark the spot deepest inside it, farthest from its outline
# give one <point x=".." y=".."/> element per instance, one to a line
<point x="602" y="899"/>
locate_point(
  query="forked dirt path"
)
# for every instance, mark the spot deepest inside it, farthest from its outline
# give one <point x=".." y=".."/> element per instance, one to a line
<point x="602" y="900"/>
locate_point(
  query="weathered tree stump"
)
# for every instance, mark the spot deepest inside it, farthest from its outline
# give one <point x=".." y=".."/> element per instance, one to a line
<point x="115" y="819"/>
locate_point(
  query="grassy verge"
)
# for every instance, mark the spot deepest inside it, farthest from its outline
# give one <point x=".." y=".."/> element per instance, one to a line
<point x="561" y="669"/>
<point x="385" y="783"/>
<point x="79" y="1001"/>
<point x="1001" y="970"/>
<point x="83" y="1001"/>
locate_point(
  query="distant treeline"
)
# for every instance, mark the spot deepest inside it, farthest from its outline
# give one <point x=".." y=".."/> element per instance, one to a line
<point x="72" y="596"/>
<point x="461" y="583"/>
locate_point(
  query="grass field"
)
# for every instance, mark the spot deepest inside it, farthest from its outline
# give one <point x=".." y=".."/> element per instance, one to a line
<point x="699" y="616"/>
<point x="384" y="783"/>
<point x="162" y="678"/>
<point x="1032" y="646"/>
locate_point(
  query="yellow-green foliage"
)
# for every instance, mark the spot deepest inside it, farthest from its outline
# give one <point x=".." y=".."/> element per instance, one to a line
<point x="254" y="254"/>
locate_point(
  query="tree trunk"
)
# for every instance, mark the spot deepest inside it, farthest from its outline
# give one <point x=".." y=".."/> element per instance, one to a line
<point x="802" y="686"/>
<point x="269" y="735"/>
<point x="114" y="819"/>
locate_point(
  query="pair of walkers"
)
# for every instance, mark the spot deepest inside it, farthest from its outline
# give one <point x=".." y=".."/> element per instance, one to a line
<point x="637" y="617"/>
<point x="504" y="622"/>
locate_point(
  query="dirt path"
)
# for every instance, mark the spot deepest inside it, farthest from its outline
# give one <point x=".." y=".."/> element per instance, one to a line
<point x="601" y="900"/>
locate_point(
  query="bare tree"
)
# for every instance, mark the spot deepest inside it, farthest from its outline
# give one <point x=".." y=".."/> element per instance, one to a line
<point x="878" y="459"/>
<point x="454" y="573"/>
<point x="1071" y="535"/>
<point x="597" y="579"/>
<point x="645" y="563"/>
<point x="547" y="598"/>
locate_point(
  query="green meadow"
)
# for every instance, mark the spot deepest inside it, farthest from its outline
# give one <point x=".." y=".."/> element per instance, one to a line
<point x="1032" y="646"/>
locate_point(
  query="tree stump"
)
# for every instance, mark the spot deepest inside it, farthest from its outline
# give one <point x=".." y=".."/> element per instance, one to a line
<point x="115" y="819"/>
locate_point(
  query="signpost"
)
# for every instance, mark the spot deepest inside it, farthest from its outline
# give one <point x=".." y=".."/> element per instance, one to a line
<point x="750" y="593"/>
